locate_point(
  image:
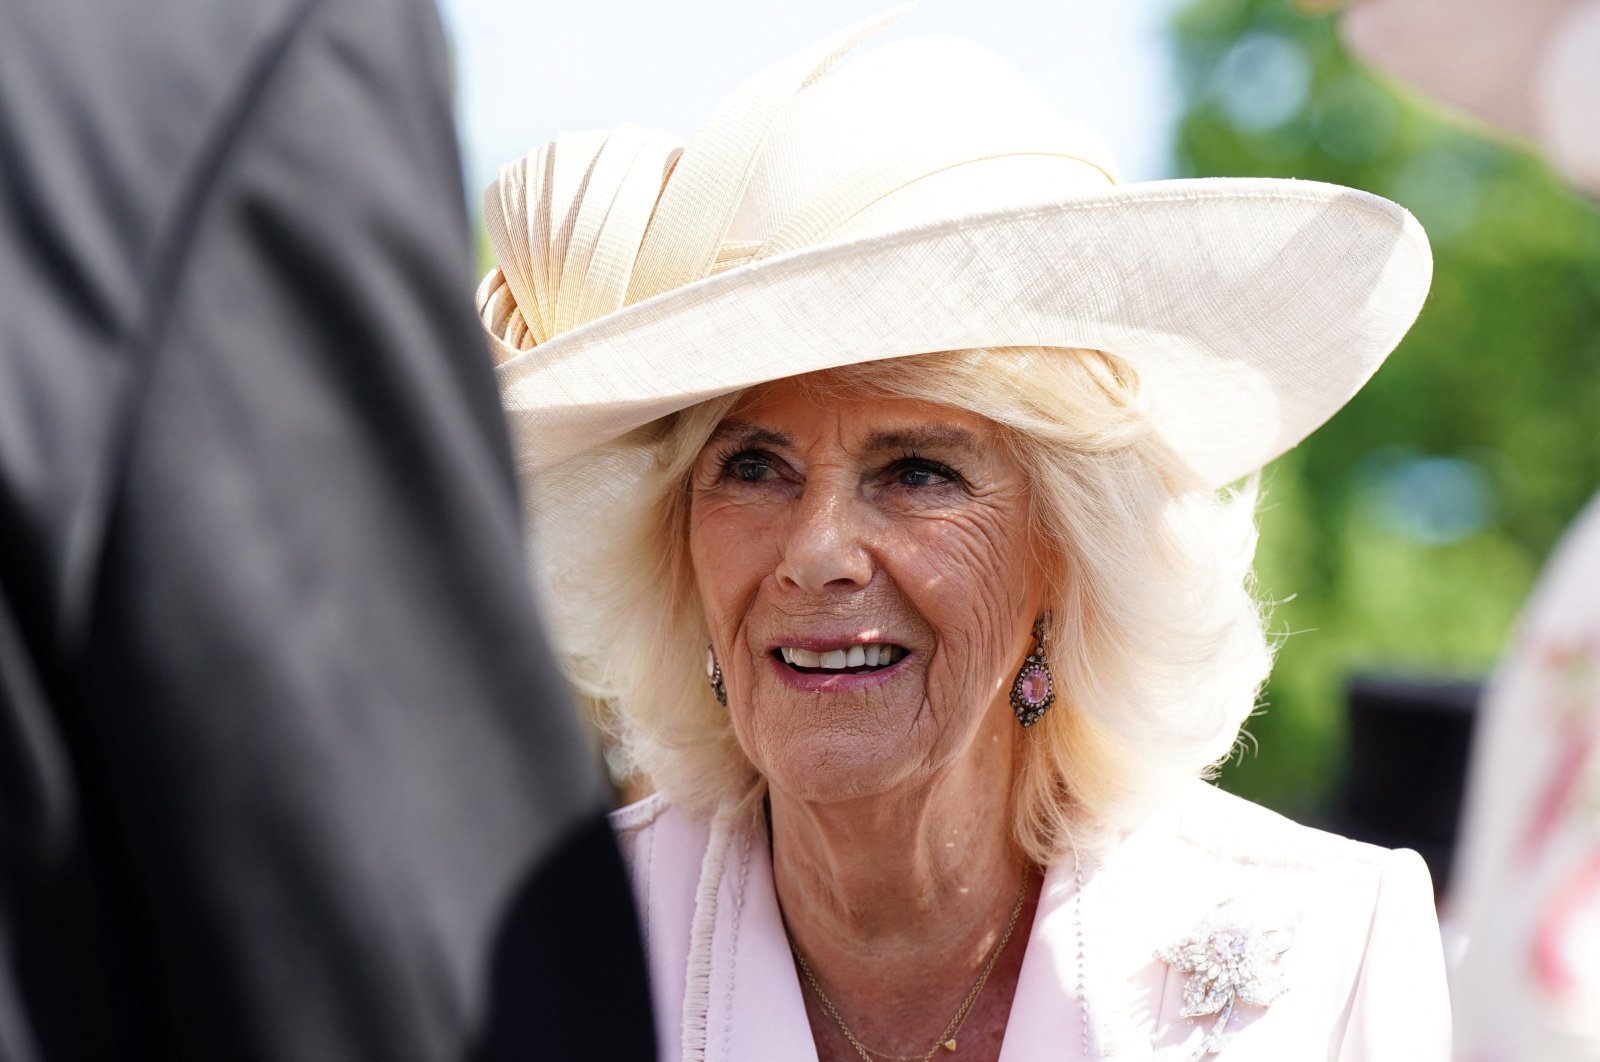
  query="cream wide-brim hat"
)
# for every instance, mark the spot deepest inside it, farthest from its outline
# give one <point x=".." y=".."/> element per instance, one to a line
<point x="922" y="197"/>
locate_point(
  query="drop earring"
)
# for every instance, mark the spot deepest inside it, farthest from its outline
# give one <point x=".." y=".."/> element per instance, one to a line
<point x="714" y="676"/>
<point x="1034" y="691"/>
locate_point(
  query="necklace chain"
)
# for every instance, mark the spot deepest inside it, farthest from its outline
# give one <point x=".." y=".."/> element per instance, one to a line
<point x="947" y="1037"/>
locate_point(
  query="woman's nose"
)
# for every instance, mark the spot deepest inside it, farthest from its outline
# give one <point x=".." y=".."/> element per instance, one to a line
<point x="825" y="551"/>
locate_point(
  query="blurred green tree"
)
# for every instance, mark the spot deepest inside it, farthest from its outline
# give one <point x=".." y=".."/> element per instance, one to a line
<point x="1403" y="536"/>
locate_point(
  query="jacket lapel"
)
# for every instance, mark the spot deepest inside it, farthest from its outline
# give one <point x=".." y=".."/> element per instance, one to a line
<point x="755" y="1008"/>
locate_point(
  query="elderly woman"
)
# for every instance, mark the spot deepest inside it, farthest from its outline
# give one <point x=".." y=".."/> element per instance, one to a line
<point x="878" y="444"/>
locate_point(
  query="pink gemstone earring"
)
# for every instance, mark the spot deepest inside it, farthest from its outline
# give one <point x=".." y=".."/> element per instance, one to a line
<point x="1035" y="689"/>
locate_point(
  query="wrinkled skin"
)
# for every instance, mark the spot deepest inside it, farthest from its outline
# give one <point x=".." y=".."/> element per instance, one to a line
<point x="852" y="520"/>
<point x="843" y="536"/>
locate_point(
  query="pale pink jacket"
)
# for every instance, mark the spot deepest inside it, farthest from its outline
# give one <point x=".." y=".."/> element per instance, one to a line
<point x="1365" y="972"/>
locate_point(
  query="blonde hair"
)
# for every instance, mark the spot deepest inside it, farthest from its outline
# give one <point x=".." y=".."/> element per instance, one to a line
<point x="1157" y="642"/>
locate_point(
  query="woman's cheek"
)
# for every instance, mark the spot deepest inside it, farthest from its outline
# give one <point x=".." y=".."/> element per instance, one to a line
<point x="975" y="576"/>
<point x="722" y="539"/>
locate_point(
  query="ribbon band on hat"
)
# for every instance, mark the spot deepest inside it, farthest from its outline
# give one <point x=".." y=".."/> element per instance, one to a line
<point x="594" y="222"/>
<point x="624" y="216"/>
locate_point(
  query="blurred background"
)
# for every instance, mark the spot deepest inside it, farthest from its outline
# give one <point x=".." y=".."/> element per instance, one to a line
<point x="1398" y="542"/>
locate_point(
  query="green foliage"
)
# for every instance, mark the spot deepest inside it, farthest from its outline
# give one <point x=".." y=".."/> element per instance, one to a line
<point x="1391" y="559"/>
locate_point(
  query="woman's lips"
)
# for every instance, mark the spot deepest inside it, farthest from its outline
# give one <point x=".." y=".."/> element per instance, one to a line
<point x="834" y="681"/>
<point x="872" y="654"/>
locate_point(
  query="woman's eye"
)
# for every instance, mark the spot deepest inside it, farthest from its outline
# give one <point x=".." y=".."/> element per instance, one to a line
<point x="748" y="467"/>
<point x="919" y="472"/>
<point x="751" y="471"/>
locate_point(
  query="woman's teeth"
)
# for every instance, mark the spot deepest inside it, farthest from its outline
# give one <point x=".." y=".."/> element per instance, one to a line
<point x="842" y="659"/>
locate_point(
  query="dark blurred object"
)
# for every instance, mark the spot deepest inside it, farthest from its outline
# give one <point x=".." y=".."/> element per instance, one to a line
<point x="1406" y="764"/>
<point x="285" y="770"/>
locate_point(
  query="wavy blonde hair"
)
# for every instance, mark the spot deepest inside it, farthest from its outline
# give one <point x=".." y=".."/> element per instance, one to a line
<point x="1158" y="645"/>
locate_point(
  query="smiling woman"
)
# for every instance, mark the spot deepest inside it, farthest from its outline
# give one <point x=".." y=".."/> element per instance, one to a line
<point x="837" y="535"/>
<point x="949" y="502"/>
<point x="879" y="451"/>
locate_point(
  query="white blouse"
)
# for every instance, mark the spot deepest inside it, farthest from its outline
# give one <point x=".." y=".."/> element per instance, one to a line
<point x="1348" y="929"/>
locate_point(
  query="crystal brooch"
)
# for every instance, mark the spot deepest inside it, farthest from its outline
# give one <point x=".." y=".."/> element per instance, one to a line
<point x="1229" y="961"/>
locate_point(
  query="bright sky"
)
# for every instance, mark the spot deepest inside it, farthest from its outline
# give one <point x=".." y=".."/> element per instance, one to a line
<point x="528" y="69"/>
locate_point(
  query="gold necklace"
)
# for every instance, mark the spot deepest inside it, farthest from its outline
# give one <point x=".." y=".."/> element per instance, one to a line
<point x="947" y="1039"/>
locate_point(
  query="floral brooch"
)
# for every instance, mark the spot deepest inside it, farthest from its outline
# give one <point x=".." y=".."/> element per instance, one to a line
<point x="1229" y="961"/>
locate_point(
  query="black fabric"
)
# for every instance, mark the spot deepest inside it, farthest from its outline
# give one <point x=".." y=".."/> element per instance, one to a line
<point x="284" y="769"/>
<point x="1407" y="744"/>
<point x="543" y="956"/>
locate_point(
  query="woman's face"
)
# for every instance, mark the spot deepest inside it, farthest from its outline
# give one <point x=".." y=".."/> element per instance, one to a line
<point x="866" y="571"/>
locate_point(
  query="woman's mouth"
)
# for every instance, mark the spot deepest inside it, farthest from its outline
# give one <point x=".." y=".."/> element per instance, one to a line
<point x="854" y="660"/>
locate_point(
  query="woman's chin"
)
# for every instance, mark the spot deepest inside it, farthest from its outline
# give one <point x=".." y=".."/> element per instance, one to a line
<point x="848" y="742"/>
<point x="831" y="770"/>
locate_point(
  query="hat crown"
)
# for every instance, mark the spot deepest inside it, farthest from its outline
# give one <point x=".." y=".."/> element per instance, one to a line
<point x="921" y="129"/>
<point x="918" y="132"/>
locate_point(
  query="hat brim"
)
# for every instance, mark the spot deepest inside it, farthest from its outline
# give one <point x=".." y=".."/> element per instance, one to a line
<point x="1251" y="310"/>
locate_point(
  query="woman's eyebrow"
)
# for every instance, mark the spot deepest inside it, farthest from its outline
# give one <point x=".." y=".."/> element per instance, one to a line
<point x="943" y="437"/>
<point x="742" y="434"/>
